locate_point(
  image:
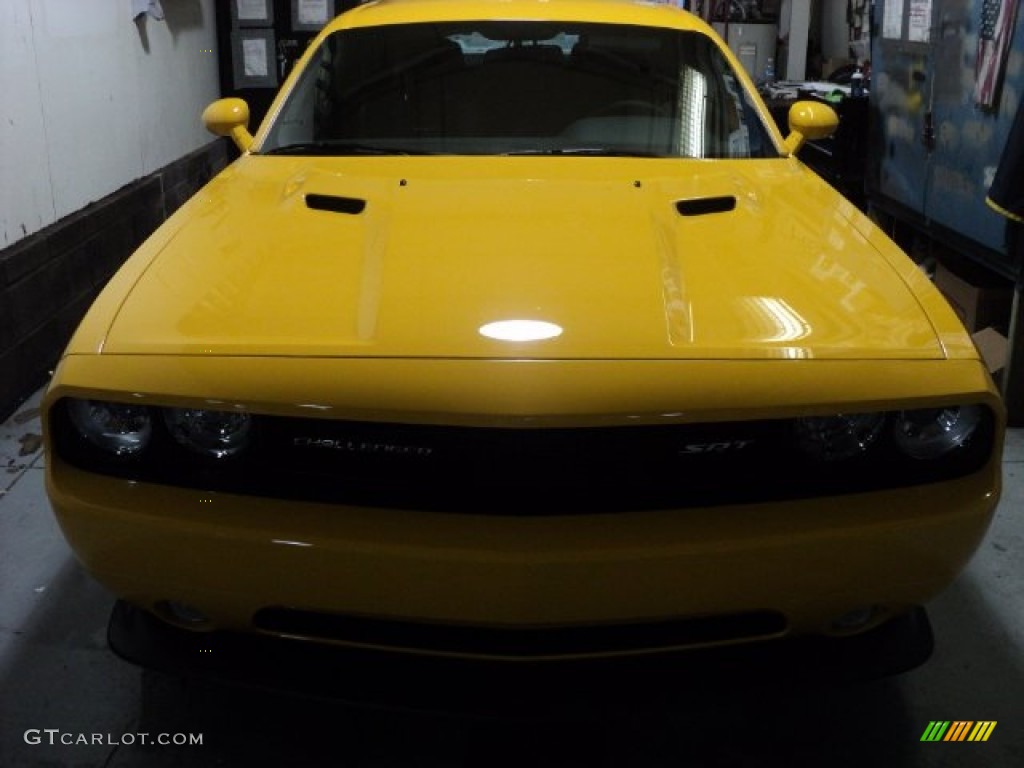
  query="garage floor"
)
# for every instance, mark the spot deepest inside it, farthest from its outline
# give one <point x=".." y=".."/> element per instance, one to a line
<point x="56" y="673"/>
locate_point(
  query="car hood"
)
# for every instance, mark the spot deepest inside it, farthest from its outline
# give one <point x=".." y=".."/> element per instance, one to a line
<point x="617" y="258"/>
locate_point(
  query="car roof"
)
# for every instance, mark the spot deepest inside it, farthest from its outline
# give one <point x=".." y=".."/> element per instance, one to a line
<point x="639" y="12"/>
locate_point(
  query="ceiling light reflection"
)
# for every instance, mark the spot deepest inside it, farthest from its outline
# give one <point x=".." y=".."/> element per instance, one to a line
<point x="777" y="321"/>
<point x="520" y="330"/>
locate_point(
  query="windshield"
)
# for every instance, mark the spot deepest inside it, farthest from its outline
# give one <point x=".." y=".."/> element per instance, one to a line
<point x="519" y="88"/>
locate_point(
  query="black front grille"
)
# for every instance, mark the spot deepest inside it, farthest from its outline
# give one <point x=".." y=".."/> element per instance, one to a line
<point x="531" y="471"/>
<point x="522" y="642"/>
<point x="526" y="471"/>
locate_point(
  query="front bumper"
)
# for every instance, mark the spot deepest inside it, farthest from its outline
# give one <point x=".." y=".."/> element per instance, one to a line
<point x="796" y="567"/>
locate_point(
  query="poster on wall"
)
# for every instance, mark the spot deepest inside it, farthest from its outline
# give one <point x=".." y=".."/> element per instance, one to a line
<point x="311" y="15"/>
<point x="253" y="58"/>
<point x="919" y="23"/>
<point x="892" y="20"/>
<point x="251" y="13"/>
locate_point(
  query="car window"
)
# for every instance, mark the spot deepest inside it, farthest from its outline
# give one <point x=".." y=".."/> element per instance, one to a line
<point x="519" y="88"/>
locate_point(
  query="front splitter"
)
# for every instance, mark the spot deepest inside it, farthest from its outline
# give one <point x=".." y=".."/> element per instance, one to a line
<point x="400" y="680"/>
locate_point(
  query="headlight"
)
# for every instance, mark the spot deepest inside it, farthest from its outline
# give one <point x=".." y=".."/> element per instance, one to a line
<point x="843" y="436"/>
<point x="118" y="429"/>
<point x="217" y="434"/>
<point x="931" y="432"/>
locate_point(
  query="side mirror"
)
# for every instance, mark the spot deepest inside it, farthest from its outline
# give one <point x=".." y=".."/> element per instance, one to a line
<point x="809" y="120"/>
<point x="229" y="117"/>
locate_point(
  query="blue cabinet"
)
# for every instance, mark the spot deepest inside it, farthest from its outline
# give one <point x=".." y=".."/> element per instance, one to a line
<point x="936" y="140"/>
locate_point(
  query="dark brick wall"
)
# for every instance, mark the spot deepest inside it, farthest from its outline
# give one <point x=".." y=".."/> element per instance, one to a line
<point x="49" y="279"/>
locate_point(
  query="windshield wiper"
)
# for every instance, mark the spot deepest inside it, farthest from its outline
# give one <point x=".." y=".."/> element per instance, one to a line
<point x="339" y="148"/>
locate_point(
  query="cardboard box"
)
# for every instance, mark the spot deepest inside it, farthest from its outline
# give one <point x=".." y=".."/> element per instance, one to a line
<point x="993" y="348"/>
<point x="979" y="300"/>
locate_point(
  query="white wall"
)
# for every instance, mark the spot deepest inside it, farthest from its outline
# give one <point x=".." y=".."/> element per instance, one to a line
<point x="91" y="100"/>
<point x="835" y="33"/>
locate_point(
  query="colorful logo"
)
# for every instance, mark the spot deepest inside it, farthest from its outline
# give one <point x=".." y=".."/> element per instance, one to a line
<point x="958" y="730"/>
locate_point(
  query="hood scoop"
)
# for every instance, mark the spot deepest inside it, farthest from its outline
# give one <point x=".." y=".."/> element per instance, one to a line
<point x="350" y="205"/>
<point x="701" y="206"/>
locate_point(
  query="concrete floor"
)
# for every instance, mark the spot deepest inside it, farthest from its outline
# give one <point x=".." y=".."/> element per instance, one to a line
<point x="57" y="673"/>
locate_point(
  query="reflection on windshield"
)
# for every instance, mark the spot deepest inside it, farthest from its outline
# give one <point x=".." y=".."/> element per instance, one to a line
<point x="519" y="88"/>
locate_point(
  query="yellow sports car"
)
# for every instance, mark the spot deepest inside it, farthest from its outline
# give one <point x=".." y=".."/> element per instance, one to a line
<point x="519" y="332"/>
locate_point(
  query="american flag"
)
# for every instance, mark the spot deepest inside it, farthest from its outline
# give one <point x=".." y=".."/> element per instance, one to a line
<point x="997" y="18"/>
